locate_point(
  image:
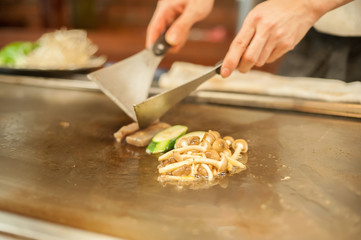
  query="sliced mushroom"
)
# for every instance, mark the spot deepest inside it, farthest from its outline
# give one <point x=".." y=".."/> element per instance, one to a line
<point x="216" y="134"/>
<point x="209" y="138"/>
<point x="163" y="163"/>
<point x="219" y="145"/>
<point x="229" y="140"/>
<point x="194" y="140"/>
<point x="212" y="154"/>
<point x="172" y="160"/>
<point x="179" y="171"/>
<point x="188" y="171"/>
<point x="182" y="142"/>
<point x="202" y="171"/>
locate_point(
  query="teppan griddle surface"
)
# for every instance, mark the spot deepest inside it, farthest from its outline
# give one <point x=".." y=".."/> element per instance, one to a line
<point x="60" y="163"/>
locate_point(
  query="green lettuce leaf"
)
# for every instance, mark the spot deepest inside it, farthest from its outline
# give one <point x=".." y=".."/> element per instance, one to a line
<point x="13" y="52"/>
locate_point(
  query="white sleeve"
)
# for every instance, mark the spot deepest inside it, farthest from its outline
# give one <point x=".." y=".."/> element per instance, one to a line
<point x="344" y="21"/>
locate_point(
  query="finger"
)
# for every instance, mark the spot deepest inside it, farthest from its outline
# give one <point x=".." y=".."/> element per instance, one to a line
<point x="179" y="30"/>
<point x="281" y="48"/>
<point x="277" y="53"/>
<point x="176" y="48"/>
<point x="153" y="32"/>
<point x="236" y="50"/>
<point x="153" y="27"/>
<point x="266" y="52"/>
<point x="253" y="51"/>
<point x="159" y="22"/>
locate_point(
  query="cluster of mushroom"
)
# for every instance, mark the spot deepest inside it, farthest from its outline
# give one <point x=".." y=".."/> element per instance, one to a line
<point x="194" y="158"/>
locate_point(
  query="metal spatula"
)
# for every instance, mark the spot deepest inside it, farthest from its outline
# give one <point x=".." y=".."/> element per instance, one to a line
<point x="127" y="82"/>
<point x="154" y="107"/>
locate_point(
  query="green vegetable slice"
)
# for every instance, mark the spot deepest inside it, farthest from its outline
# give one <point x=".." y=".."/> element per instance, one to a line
<point x="165" y="140"/>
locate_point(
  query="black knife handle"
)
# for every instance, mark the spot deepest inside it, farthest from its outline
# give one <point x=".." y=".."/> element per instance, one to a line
<point x="219" y="66"/>
<point x="160" y="47"/>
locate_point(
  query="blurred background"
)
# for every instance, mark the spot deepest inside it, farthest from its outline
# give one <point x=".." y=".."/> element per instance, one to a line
<point x="118" y="27"/>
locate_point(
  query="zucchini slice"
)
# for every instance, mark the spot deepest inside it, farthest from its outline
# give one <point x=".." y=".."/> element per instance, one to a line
<point x="165" y="140"/>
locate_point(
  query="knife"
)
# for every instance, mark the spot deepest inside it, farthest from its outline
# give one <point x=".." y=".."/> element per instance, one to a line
<point x="154" y="107"/>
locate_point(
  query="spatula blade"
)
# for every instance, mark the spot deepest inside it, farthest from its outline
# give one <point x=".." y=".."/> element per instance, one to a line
<point x="128" y="81"/>
<point x="154" y="107"/>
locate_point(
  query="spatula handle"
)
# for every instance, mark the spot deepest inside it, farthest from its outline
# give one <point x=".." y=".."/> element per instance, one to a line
<point x="160" y="47"/>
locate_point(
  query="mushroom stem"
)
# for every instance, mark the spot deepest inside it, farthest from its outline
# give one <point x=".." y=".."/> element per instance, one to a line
<point x="202" y="148"/>
<point x="177" y="157"/>
<point x="235" y="162"/>
<point x="237" y="151"/>
<point x="166" y="155"/>
<point x="209" y="171"/>
<point x="230" y="166"/>
<point x="176" y="178"/>
<point x="194" y="169"/>
<point x="220" y="165"/>
<point x="181" y="157"/>
<point x="173" y="166"/>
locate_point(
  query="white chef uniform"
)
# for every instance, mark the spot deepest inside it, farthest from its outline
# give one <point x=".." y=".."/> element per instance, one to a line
<point x="331" y="49"/>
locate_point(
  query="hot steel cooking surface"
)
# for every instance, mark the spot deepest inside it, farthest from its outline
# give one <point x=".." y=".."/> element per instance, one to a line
<point x="303" y="179"/>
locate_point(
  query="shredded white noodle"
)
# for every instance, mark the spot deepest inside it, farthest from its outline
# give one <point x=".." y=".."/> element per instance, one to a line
<point x="63" y="49"/>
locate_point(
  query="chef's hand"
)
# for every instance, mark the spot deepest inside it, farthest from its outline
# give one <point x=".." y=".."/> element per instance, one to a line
<point x="271" y="29"/>
<point x="179" y="16"/>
